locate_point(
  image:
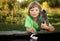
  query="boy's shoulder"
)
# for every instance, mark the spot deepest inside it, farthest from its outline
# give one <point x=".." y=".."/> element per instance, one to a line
<point x="28" y="17"/>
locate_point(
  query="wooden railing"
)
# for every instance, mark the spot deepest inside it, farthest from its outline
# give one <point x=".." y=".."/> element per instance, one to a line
<point x="25" y="36"/>
<point x="23" y="32"/>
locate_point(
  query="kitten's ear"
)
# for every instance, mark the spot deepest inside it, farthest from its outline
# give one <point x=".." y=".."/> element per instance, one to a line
<point x="44" y="11"/>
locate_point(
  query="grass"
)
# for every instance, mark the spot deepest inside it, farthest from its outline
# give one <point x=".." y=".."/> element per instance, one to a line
<point x="10" y="27"/>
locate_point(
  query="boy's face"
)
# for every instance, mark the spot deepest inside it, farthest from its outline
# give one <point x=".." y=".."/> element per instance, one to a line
<point x="34" y="12"/>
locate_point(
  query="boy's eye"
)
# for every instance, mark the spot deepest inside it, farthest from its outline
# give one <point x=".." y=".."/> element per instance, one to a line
<point x="36" y="10"/>
<point x="32" y="10"/>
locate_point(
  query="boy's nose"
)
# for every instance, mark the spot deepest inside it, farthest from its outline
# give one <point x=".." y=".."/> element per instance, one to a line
<point x="34" y="12"/>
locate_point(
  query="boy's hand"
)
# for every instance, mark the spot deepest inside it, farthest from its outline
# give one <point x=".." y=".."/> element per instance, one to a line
<point x="51" y="28"/>
<point x="30" y="30"/>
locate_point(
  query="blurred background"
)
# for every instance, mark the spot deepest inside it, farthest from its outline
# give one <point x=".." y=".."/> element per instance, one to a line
<point x="13" y="13"/>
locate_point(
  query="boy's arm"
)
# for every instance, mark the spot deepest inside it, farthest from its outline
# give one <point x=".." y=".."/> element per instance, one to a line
<point x="51" y="28"/>
<point x="28" y="25"/>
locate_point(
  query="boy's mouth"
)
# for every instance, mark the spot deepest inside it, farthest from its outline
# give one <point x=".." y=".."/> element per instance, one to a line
<point x="34" y="14"/>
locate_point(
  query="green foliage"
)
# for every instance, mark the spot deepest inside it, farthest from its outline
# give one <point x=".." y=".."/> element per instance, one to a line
<point x="54" y="18"/>
<point x="24" y="4"/>
<point x="54" y="3"/>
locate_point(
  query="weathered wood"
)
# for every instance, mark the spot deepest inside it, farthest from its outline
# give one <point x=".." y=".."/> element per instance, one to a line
<point x="22" y="32"/>
<point x="23" y="35"/>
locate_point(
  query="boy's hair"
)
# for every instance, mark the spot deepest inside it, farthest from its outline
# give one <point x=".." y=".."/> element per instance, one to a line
<point x="32" y="5"/>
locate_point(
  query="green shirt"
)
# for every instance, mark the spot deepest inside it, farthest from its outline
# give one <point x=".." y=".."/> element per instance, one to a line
<point x="30" y="23"/>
